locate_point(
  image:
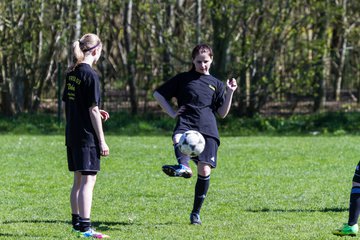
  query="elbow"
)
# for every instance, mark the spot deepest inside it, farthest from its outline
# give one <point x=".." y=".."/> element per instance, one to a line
<point x="222" y="116"/>
<point x="155" y="94"/>
<point x="94" y="110"/>
<point x="222" y="112"/>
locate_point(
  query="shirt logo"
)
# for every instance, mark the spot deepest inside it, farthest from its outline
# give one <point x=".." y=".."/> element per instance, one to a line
<point x="212" y="87"/>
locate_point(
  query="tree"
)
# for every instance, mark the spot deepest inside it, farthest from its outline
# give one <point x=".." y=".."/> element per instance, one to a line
<point x="280" y="51"/>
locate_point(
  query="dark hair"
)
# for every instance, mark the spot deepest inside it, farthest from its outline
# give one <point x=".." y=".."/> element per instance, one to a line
<point x="199" y="49"/>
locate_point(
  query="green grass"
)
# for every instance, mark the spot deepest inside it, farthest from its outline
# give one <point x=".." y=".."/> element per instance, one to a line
<point x="263" y="188"/>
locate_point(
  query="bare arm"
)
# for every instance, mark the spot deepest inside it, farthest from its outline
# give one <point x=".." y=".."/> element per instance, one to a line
<point x="95" y="117"/>
<point x="231" y="86"/>
<point x="165" y="105"/>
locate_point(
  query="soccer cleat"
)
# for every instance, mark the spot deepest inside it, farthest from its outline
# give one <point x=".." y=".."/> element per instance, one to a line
<point x="91" y="233"/>
<point x="347" y="230"/>
<point x="76" y="228"/>
<point x="177" y="171"/>
<point x="195" y="219"/>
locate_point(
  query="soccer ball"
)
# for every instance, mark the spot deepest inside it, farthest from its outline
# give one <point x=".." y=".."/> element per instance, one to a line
<point x="192" y="143"/>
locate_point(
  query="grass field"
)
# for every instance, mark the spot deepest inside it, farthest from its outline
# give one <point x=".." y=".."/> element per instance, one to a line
<point x="263" y="188"/>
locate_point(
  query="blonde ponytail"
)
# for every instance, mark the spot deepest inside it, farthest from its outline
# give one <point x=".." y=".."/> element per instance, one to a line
<point x="82" y="46"/>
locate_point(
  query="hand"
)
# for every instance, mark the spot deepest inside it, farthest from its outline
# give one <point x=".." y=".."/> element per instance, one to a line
<point x="180" y="111"/>
<point x="231" y="84"/>
<point x="104" y="149"/>
<point x="104" y="115"/>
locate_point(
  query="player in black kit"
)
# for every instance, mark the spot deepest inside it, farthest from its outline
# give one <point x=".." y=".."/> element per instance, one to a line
<point x="85" y="140"/>
<point x="200" y="97"/>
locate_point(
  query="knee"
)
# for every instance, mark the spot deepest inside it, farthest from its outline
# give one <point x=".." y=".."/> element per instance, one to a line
<point x="176" y="138"/>
<point x="204" y="169"/>
<point x="88" y="179"/>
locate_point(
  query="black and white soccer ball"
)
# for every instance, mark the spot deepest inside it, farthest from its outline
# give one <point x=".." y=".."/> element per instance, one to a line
<point x="192" y="143"/>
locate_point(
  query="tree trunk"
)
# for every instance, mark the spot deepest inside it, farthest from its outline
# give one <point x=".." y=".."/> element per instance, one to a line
<point x="326" y="59"/>
<point x="78" y="20"/>
<point x="6" y="101"/>
<point x="343" y="54"/>
<point x="131" y="56"/>
<point x="223" y="28"/>
<point x="243" y="103"/>
<point x="323" y="69"/>
<point x="169" y="28"/>
<point x="198" y="21"/>
<point x="358" y="86"/>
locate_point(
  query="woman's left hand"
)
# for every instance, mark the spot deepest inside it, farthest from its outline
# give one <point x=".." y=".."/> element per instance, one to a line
<point x="104" y="115"/>
<point x="231" y="84"/>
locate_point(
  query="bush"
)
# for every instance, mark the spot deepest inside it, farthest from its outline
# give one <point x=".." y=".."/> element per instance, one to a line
<point x="335" y="123"/>
<point x="31" y="124"/>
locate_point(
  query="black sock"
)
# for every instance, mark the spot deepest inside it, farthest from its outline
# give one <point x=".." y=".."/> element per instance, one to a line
<point x="201" y="188"/>
<point x="85" y="224"/>
<point x="180" y="157"/>
<point x="354" y="208"/>
<point x="75" y="221"/>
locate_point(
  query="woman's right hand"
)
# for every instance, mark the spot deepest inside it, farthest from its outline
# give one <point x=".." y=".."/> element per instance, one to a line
<point x="104" y="149"/>
<point x="180" y="111"/>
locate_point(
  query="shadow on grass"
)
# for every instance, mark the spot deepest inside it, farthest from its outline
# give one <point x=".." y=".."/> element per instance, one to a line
<point x="101" y="226"/>
<point x="94" y="223"/>
<point x="17" y="236"/>
<point x="299" y="210"/>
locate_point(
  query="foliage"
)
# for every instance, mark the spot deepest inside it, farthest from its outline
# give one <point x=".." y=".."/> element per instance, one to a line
<point x="328" y="123"/>
<point x="30" y="124"/>
<point x="316" y="124"/>
<point x="263" y="188"/>
<point x="279" y="50"/>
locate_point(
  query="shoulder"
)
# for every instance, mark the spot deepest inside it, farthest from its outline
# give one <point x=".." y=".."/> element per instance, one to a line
<point x="87" y="75"/>
<point x="179" y="78"/>
<point x="183" y="75"/>
<point x="87" y="68"/>
<point x="88" y="72"/>
<point x="215" y="80"/>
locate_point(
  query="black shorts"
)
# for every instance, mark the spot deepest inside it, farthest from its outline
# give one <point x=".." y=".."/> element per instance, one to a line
<point x="83" y="159"/>
<point x="209" y="155"/>
<point x="356" y="177"/>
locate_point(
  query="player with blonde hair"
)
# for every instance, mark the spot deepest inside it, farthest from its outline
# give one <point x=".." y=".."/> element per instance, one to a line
<point x="85" y="140"/>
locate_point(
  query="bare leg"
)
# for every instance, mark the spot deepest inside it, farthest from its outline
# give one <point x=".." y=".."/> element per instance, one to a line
<point x="74" y="195"/>
<point x="86" y="195"/>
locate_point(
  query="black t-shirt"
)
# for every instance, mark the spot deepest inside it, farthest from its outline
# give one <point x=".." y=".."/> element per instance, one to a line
<point x="202" y="95"/>
<point x="82" y="90"/>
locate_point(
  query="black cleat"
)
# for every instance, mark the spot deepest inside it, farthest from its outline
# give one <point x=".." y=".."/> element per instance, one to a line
<point x="195" y="219"/>
<point x="177" y="171"/>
